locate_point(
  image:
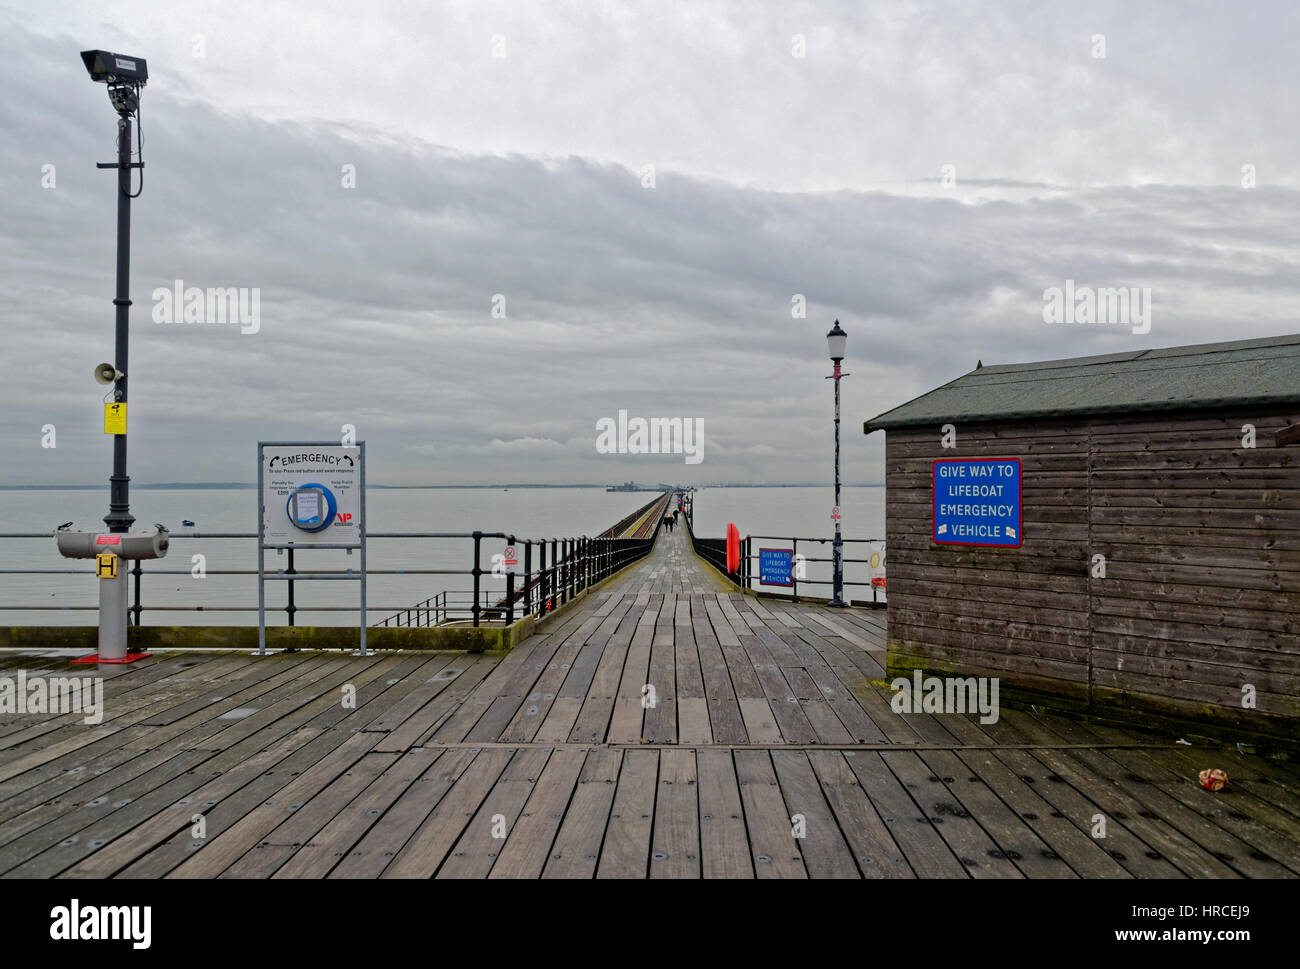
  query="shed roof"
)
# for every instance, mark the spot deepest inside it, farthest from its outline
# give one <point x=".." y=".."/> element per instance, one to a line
<point x="1218" y="375"/>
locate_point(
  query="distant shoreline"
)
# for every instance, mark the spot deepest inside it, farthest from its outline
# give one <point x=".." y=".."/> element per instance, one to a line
<point x="243" y="486"/>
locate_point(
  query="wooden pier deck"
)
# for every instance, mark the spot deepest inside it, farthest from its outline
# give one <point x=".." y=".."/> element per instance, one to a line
<point x="544" y="763"/>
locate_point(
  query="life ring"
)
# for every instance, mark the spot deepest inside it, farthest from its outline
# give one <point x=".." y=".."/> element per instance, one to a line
<point x="733" y="548"/>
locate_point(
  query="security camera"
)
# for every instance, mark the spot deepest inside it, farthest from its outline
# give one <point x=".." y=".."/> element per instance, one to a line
<point x="106" y="373"/>
<point x="108" y="67"/>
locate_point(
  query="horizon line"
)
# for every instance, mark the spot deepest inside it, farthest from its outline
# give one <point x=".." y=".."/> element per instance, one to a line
<point x="179" y="485"/>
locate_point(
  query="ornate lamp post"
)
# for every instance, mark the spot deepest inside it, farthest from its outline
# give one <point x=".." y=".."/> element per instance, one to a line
<point x="835" y="341"/>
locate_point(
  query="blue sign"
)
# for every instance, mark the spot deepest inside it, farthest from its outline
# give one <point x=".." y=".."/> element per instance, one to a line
<point x="774" y="566"/>
<point x="977" y="502"/>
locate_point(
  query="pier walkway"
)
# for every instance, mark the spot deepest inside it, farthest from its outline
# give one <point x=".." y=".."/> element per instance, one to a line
<point x="769" y="719"/>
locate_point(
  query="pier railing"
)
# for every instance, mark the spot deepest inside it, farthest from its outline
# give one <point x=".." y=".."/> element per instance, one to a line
<point x="551" y="571"/>
<point x="714" y="551"/>
<point x="576" y="564"/>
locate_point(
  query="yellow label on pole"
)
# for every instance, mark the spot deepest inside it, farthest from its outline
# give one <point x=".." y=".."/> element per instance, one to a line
<point x="106" y="566"/>
<point x="115" y="418"/>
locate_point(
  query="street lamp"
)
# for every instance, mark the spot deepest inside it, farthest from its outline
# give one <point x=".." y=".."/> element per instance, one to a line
<point x="835" y="341"/>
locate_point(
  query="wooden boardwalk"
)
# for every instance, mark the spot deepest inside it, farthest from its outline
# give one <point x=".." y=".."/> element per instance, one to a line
<point x="546" y="763"/>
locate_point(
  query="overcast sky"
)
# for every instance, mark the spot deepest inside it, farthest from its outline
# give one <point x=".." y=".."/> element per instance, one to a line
<point x="923" y="172"/>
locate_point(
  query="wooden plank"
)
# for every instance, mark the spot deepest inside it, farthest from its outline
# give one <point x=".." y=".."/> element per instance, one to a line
<point x="225" y="848"/>
<point x="724" y="712"/>
<point x="577" y="845"/>
<point x="693" y="721"/>
<point x="772" y="846"/>
<point x="1182" y="805"/>
<point x="1015" y="839"/>
<point x="598" y="705"/>
<point x="481" y="843"/>
<point x="528" y="847"/>
<point x="909" y="825"/>
<point x="625" y="721"/>
<point x="974" y="849"/>
<point x="173" y="822"/>
<point x="423" y="854"/>
<point x="467" y="673"/>
<point x="265" y="857"/>
<point x="626" y="851"/>
<point x="876" y="852"/>
<point x="323" y="850"/>
<point x="724" y="843"/>
<point x="558" y="724"/>
<point x="1074" y="844"/>
<point x="537" y="704"/>
<point x="760" y="723"/>
<point x="660" y="725"/>
<point x="675" y="843"/>
<point x="377" y="848"/>
<point x="790" y="718"/>
<point x="47" y="850"/>
<point x="824" y="850"/>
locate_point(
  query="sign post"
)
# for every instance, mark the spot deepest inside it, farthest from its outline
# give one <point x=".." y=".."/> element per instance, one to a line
<point x="977" y="502"/>
<point x="510" y="561"/>
<point x="312" y="495"/>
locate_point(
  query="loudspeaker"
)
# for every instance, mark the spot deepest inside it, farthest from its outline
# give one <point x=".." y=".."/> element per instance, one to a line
<point x="106" y="373"/>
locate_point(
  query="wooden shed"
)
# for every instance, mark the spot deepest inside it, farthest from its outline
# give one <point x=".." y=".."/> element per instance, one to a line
<point x="1152" y="560"/>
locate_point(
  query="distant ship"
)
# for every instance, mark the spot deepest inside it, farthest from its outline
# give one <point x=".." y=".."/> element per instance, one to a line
<point x="633" y="486"/>
<point x="186" y="523"/>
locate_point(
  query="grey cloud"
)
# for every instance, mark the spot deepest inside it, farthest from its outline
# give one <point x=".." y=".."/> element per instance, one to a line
<point x="672" y="301"/>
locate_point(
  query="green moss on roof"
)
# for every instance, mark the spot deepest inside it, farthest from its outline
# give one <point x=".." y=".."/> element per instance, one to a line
<point x="1210" y="375"/>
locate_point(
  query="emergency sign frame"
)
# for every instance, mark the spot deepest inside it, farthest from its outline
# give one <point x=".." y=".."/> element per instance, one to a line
<point x="359" y="449"/>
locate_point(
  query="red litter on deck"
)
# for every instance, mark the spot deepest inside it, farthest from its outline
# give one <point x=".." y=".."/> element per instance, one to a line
<point x="1213" y="779"/>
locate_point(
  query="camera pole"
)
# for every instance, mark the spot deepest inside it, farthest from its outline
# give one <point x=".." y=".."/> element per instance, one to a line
<point x="124" y="77"/>
<point x="119" y="517"/>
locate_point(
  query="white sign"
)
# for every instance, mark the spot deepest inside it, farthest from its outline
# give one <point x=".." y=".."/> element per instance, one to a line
<point x="835" y="513"/>
<point x="876" y="568"/>
<point x="333" y="469"/>
<point x="510" y="561"/>
<point x="309" y="508"/>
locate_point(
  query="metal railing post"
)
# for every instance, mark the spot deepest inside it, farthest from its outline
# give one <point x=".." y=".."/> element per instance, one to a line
<point x="794" y="572"/>
<point x="135" y="573"/>
<point x="510" y="589"/>
<point x="528" y="577"/>
<point x="290" y="608"/>
<point x="478" y="541"/>
<point x="541" y="580"/>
